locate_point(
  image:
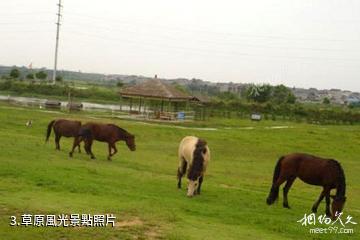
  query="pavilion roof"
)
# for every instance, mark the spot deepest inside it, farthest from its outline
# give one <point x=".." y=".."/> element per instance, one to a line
<point x="155" y="88"/>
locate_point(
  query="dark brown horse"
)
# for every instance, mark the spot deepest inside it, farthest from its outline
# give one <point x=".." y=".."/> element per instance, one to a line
<point x="66" y="128"/>
<point x="327" y="173"/>
<point x="109" y="133"/>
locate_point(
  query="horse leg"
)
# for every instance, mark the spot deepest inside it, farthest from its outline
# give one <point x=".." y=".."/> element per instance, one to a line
<point x="327" y="198"/>
<point x="181" y="171"/>
<point x="109" y="156"/>
<point x="75" y="143"/>
<point x="78" y="140"/>
<point x="88" y="146"/>
<point x="57" y="141"/>
<point x="115" y="149"/>
<point x="112" y="146"/>
<point x="200" y="182"/>
<point x="316" y="204"/>
<point x="286" y="189"/>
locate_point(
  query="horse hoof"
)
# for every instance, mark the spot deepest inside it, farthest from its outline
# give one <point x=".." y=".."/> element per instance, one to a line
<point x="286" y="206"/>
<point x="314" y="210"/>
<point x="70" y="155"/>
<point x="109" y="159"/>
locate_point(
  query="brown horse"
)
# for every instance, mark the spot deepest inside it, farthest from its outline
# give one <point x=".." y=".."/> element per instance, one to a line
<point x="66" y="128"/>
<point x="327" y="173"/>
<point x="109" y="133"/>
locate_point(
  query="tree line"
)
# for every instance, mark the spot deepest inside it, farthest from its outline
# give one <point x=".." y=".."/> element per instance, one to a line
<point x="41" y="75"/>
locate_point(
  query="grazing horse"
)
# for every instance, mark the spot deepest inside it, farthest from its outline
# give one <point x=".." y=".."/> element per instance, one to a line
<point x="327" y="173"/>
<point x="109" y="133"/>
<point x="194" y="156"/>
<point x="66" y="128"/>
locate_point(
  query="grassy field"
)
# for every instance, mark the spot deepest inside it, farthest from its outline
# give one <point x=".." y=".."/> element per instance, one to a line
<point x="140" y="187"/>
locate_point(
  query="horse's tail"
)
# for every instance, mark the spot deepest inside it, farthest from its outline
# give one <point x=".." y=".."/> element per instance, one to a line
<point x="274" y="191"/>
<point x="49" y="130"/>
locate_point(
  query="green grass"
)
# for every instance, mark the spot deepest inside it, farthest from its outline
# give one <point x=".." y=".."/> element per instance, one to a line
<point x="141" y="185"/>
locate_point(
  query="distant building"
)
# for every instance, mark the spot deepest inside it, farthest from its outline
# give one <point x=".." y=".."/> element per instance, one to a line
<point x="353" y="100"/>
<point x="313" y="96"/>
<point x="236" y="88"/>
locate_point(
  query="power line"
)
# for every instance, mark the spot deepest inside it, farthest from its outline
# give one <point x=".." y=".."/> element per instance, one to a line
<point x="212" y="41"/>
<point x="57" y="39"/>
<point x="10" y="14"/>
<point x="21" y="23"/>
<point x="197" y="30"/>
<point x="212" y="52"/>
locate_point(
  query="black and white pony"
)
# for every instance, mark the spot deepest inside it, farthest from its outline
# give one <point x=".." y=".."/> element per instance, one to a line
<point x="194" y="156"/>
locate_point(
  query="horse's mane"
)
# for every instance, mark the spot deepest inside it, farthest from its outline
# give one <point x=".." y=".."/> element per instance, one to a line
<point x="197" y="164"/>
<point x="122" y="131"/>
<point x="340" y="190"/>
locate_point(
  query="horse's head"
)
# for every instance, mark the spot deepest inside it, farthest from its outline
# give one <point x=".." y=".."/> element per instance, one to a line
<point x="337" y="205"/>
<point x="130" y="142"/>
<point x="193" y="182"/>
<point x="192" y="187"/>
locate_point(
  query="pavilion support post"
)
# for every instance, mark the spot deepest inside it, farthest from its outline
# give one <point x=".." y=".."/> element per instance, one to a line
<point x="204" y="113"/>
<point x="176" y="106"/>
<point x="130" y="105"/>
<point x="144" y="106"/>
<point x="162" y="105"/>
<point x="169" y="106"/>
<point x="120" y="103"/>
<point x="140" y="100"/>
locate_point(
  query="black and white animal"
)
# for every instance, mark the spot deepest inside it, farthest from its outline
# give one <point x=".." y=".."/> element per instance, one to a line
<point x="194" y="156"/>
<point x="29" y="123"/>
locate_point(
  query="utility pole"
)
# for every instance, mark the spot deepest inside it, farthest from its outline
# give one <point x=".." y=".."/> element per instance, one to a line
<point x="57" y="40"/>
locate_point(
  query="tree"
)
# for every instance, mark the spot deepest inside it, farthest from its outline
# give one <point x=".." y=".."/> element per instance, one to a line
<point x="120" y="84"/>
<point x="326" y="101"/>
<point x="227" y="96"/>
<point x="59" y="78"/>
<point x="259" y="93"/>
<point x="14" y="73"/>
<point x="291" y="98"/>
<point x="180" y="88"/>
<point x="30" y="76"/>
<point x="282" y="94"/>
<point x="41" y="75"/>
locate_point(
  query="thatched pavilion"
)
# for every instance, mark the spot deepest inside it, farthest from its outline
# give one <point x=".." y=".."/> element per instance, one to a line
<point x="156" y="99"/>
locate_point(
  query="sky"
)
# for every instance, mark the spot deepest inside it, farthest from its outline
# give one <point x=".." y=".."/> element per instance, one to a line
<point x="302" y="43"/>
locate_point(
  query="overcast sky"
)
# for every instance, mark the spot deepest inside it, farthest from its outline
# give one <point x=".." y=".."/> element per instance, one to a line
<point x="303" y="43"/>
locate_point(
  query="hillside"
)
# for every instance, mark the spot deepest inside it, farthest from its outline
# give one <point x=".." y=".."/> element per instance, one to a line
<point x="336" y="96"/>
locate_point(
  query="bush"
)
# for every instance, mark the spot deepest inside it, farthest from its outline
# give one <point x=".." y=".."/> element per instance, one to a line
<point x="58" y="90"/>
